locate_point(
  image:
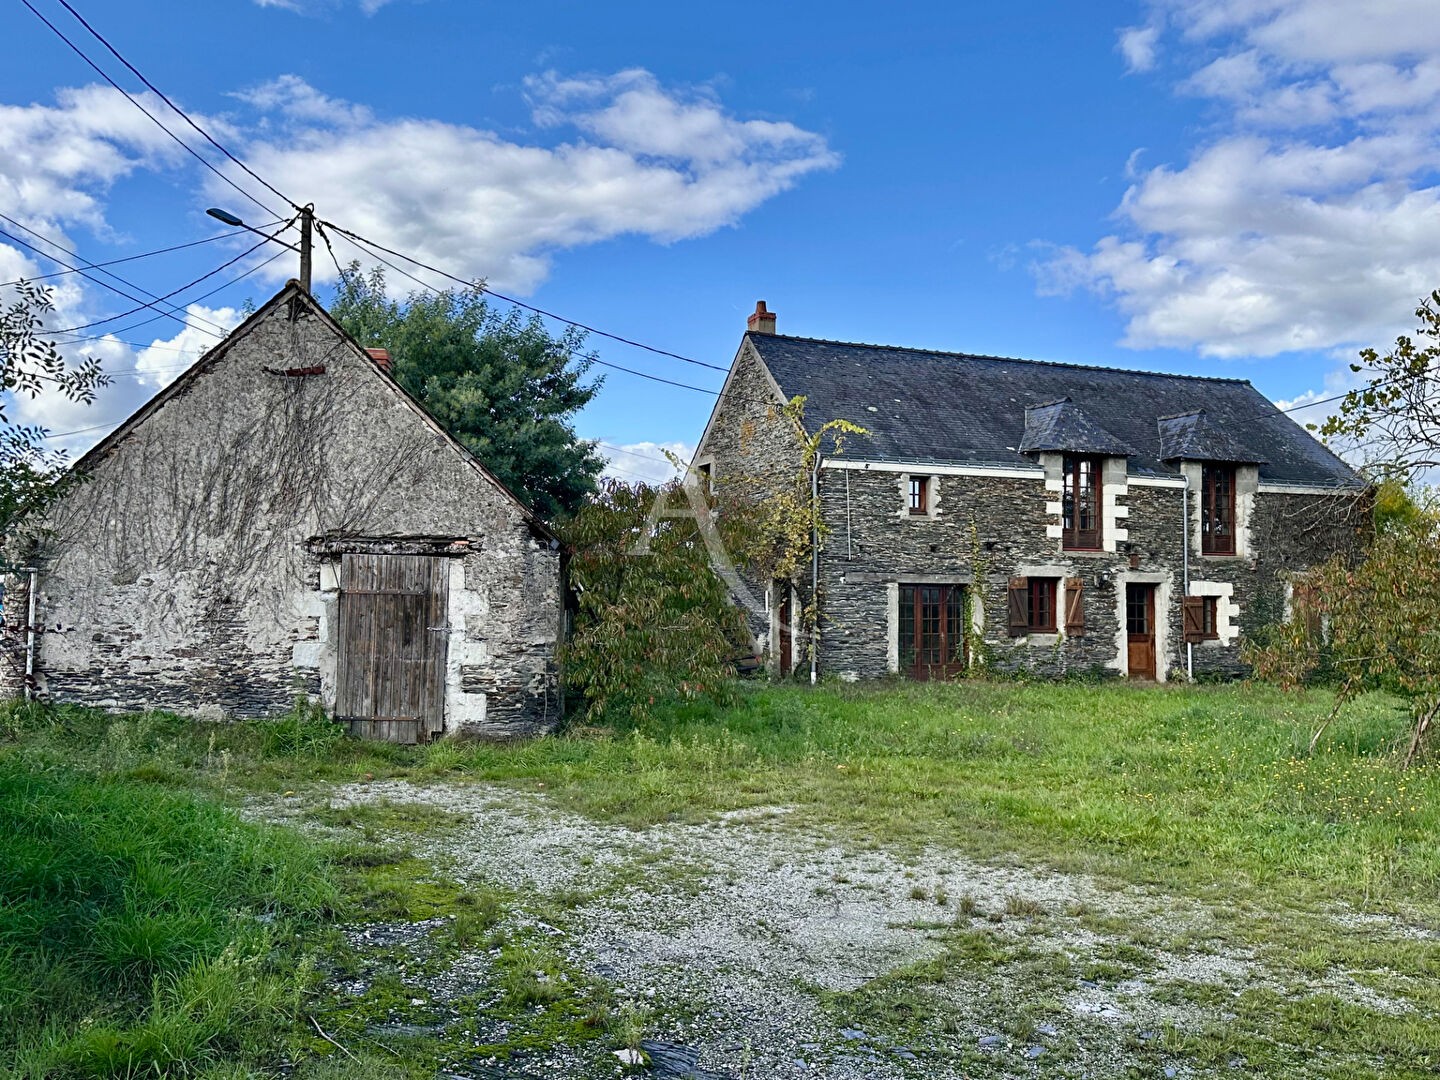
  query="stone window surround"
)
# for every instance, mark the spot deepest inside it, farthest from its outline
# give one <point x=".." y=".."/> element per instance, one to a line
<point x="1046" y="570"/>
<point x="1164" y="585"/>
<point x="1227" y="612"/>
<point x="892" y="609"/>
<point x="933" y="495"/>
<point x="1247" y="486"/>
<point x="704" y="470"/>
<point x="1114" y="485"/>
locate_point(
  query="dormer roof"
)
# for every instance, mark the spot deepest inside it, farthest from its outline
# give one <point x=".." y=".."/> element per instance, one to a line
<point x="1193" y="437"/>
<point x="1063" y="426"/>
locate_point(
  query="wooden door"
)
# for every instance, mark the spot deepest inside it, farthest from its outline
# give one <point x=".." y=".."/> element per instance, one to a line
<point x="783" y="612"/>
<point x="1140" y="630"/>
<point x="932" y="631"/>
<point x="391" y="679"/>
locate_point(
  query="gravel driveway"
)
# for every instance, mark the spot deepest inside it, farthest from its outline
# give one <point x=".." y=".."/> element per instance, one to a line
<point x="751" y="948"/>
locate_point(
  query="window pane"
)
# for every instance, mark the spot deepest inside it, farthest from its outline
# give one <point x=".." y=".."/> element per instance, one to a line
<point x="1042" y="604"/>
<point x="919" y="486"/>
<point x="931" y="613"/>
<point x="1137" y="609"/>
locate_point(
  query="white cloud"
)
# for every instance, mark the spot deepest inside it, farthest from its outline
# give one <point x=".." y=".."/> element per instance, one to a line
<point x="318" y="7"/>
<point x="647" y="162"/>
<point x="1138" y="45"/>
<point x="136" y="373"/>
<point x="297" y="101"/>
<point x="640" y="160"/>
<point x="58" y="161"/>
<point x="643" y="461"/>
<point x="1310" y="219"/>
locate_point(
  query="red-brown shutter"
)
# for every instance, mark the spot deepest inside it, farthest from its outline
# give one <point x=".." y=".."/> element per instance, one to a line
<point x="1305" y="608"/>
<point x="1192" y="618"/>
<point x="1074" y="607"/>
<point x="1019" y="610"/>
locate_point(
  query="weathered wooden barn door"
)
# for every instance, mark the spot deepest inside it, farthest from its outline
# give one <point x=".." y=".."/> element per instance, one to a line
<point x="391" y="679"/>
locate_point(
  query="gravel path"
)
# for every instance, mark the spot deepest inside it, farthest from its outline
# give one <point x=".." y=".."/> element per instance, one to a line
<point x="740" y="939"/>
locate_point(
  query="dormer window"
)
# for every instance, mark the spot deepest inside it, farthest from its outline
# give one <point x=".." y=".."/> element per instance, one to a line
<point x="1217" y="510"/>
<point x="1080" y="523"/>
<point x="919" y="495"/>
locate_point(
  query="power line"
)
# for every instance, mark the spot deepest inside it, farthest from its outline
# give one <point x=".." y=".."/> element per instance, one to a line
<point x="127" y="258"/>
<point x="177" y="110"/>
<point x="173" y="292"/>
<point x="634" y="453"/>
<point x="90" y="277"/>
<point x="154" y="119"/>
<point x="193" y="300"/>
<point x="592" y="359"/>
<point x="520" y="303"/>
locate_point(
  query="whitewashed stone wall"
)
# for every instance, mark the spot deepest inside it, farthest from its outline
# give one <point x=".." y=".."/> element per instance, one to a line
<point x="185" y="573"/>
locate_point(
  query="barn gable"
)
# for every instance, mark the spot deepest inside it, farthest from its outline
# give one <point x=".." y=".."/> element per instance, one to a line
<point x="202" y="565"/>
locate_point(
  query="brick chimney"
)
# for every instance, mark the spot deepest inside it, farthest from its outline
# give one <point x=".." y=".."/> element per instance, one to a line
<point x="763" y="321"/>
<point x="381" y="358"/>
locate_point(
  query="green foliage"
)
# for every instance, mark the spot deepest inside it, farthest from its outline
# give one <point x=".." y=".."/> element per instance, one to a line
<point x="1375" y="621"/>
<point x="500" y="383"/>
<point x="139" y="928"/>
<point x="1395" y="508"/>
<point x="654" y="622"/>
<point x="1394" y="418"/>
<point x="31" y="475"/>
<point x="305" y="731"/>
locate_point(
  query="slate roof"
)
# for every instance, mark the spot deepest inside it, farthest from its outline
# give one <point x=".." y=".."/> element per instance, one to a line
<point x="955" y="408"/>
<point x="1191" y="437"/>
<point x="1062" y="425"/>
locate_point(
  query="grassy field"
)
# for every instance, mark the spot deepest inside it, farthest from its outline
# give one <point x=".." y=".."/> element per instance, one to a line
<point x="142" y="922"/>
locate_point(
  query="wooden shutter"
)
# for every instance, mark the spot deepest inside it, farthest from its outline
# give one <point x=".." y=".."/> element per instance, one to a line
<point x="1019" y="608"/>
<point x="1192" y="618"/>
<point x="1074" y="607"/>
<point x="1305" y="608"/>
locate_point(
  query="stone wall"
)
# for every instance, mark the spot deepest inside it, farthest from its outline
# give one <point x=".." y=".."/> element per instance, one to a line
<point x="984" y="529"/>
<point x="749" y="448"/>
<point x="186" y="573"/>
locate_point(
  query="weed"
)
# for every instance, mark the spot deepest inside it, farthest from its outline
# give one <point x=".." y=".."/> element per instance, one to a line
<point x="1024" y="907"/>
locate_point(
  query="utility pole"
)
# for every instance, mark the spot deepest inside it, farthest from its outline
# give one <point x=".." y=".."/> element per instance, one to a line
<point x="307" y="222"/>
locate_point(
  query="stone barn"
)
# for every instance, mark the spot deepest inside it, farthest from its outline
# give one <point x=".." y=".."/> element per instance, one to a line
<point x="284" y="520"/>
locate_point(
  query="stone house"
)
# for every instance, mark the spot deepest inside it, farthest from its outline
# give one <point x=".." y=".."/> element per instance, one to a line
<point x="285" y="520"/>
<point x="1030" y="515"/>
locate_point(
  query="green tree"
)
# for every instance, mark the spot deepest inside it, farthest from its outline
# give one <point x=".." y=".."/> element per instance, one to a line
<point x="1372" y="621"/>
<point x="655" y="622"/>
<point x="499" y="382"/>
<point x="31" y="474"/>
<point x="1392" y="422"/>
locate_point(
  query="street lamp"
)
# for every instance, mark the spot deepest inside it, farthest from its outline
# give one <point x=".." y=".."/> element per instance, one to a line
<point x="307" y="216"/>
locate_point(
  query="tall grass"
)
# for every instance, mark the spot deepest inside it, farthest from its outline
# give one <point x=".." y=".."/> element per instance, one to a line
<point x="1187" y="785"/>
<point x="142" y="931"/>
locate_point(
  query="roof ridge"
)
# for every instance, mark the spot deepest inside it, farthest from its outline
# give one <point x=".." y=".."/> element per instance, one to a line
<point x="1007" y="359"/>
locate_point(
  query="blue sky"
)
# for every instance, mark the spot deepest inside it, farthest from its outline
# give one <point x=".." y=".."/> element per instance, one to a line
<point x="1233" y="187"/>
